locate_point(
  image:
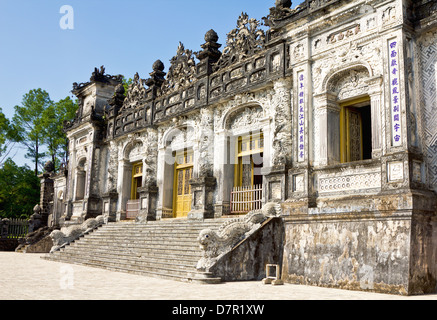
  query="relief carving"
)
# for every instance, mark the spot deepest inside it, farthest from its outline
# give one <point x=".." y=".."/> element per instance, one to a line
<point x="242" y="42"/>
<point x="182" y="71"/>
<point x="214" y="244"/>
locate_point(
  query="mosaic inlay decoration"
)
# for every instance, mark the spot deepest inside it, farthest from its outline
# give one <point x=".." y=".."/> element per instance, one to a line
<point x="396" y="126"/>
<point x="301" y="117"/>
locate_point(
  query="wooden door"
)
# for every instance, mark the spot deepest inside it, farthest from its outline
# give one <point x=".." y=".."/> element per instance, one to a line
<point x="183" y="174"/>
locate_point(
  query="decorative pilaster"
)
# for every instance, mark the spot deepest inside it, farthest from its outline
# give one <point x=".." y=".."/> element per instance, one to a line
<point x="375" y="93"/>
<point x="328" y="131"/>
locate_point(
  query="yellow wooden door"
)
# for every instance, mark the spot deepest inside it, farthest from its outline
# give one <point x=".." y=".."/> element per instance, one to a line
<point x="183" y="197"/>
<point x="183" y="174"/>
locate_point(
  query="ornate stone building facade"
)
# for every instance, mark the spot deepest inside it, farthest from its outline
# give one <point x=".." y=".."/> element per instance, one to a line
<point x="327" y="110"/>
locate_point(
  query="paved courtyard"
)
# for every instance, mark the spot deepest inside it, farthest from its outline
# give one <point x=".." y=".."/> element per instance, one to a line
<point x="28" y="277"/>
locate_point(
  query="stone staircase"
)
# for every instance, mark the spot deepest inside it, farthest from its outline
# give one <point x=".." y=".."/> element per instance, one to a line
<point x="166" y="249"/>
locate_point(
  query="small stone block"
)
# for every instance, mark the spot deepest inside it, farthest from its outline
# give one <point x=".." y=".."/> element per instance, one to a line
<point x="277" y="282"/>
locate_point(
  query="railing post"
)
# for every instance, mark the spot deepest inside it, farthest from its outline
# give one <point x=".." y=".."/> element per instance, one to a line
<point x="4" y="232"/>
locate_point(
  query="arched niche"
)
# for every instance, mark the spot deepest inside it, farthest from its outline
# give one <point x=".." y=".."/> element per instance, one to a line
<point x="176" y="139"/>
<point x="349" y="88"/>
<point x="243" y="123"/>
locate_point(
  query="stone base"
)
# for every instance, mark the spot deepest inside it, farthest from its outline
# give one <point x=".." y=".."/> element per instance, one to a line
<point x="42" y="246"/>
<point x="388" y="248"/>
<point x="204" y="278"/>
<point x="274" y="282"/>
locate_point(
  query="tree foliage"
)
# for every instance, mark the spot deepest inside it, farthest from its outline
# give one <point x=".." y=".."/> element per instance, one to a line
<point x="38" y="125"/>
<point x="7" y="135"/>
<point x="19" y="190"/>
<point x="28" y="123"/>
<point x="54" y="137"/>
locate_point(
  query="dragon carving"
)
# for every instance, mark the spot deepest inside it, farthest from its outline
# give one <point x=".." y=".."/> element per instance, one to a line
<point x="214" y="244"/>
<point x="69" y="234"/>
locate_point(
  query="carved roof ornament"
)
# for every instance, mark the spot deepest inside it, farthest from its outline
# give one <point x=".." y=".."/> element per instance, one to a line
<point x="182" y="70"/>
<point x="210" y="47"/>
<point x="281" y="10"/>
<point x="118" y="97"/>
<point x="242" y="42"/>
<point x="136" y="93"/>
<point x="98" y="75"/>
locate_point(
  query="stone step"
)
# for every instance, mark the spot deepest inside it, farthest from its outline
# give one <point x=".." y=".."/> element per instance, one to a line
<point x="165" y="273"/>
<point x="144" y="236"/>
<point x="157" y="247"/>
<point x="153" y="256"/>
<point x="132" y="259"/>
<point x="166" y="249"/>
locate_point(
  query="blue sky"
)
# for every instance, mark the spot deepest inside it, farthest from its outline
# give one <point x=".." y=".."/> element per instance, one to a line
<point x="124" y="36"/>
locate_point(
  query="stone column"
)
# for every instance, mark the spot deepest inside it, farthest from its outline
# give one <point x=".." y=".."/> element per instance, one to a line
<point x="123" y="188"/>
<point x="375" y="93"/>
<point x="224" y="171"/>
<point x="165" y="173"/>
<point x="327" y="135"/>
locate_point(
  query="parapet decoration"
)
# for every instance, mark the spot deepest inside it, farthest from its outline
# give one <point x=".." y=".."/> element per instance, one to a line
<point x="182" y="71"/>
<point x="136" y="93"/>
<point x="242" y="42"/>
<point x="215" y="245"/>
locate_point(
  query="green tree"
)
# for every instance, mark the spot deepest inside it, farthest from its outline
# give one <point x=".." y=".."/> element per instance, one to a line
<point x="126" y="83"/>
<point x="54" y="137"/>
<point x="27" y="121"/>
<point x="19" y="190"/>
<point x="7" y="135"/>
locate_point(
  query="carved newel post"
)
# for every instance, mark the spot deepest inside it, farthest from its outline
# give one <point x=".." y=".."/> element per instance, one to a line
<point x="4" y="228"/>
<point x="148" y="198"/>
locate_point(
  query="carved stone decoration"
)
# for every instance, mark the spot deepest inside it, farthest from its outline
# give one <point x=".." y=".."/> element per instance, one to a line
<point x="182" y="71"/>
<point x="242" y="42"/>
<point x="349" y="83"/>
<point x="282" y="120"/>
<point x="98" y="75"/>
<point x="214" y="245"/>
<point x="247" y="117"/>
<point x="136" y="93"/>
<point x="206" y="145"/>
<point x="427" y="97"/>
<point x="119" y="96"/>
<point x="281" y="10"/>
<point x="67" y="235"/>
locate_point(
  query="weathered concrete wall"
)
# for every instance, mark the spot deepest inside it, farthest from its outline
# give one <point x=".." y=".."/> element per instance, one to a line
<point x="383" y="243"/>
<point x="423" y="273"/>
<point x="248" y="260"/>
<point x="358" y="254"/>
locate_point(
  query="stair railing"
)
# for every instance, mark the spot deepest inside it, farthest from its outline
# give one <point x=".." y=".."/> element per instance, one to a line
<point x="215" y="245"/>
<point x="67" y="235"/>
